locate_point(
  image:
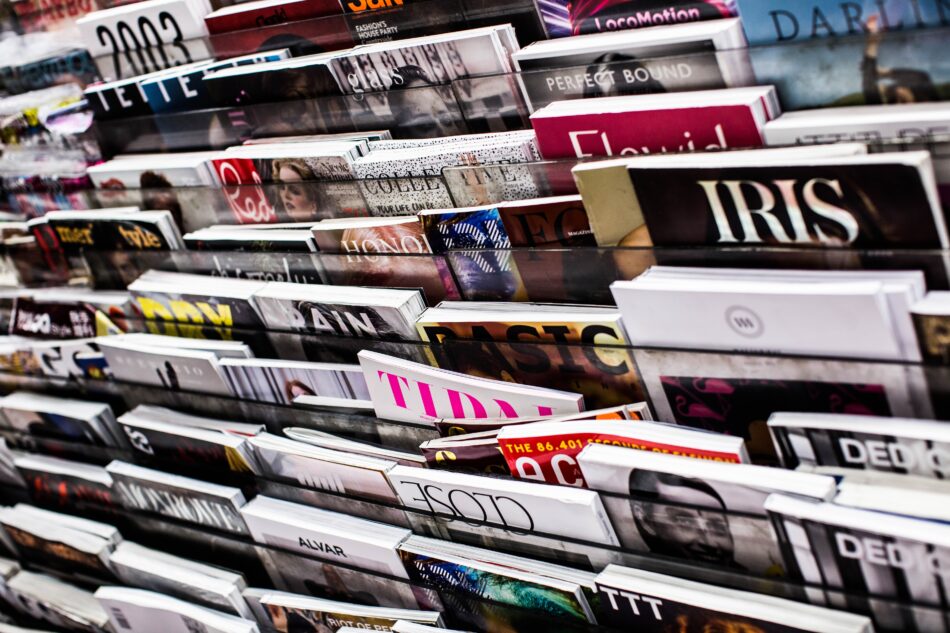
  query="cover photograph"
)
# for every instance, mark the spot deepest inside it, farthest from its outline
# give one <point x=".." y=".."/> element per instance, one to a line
<point x="736" y="394"/>
<point x="769" y="22"/>
<point x="873" y="67"/>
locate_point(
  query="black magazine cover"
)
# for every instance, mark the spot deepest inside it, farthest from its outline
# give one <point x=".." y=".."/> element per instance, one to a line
<point x="673" y="68"/>
<point x="57" y="490"/>
<point x="885" y="564"/>
<point x="113" y="234"/>
<point x="858" y="206"/>
<point x="184" y="452"/>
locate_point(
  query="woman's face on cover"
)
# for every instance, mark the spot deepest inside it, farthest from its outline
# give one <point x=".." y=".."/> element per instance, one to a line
<point x="294" y="195"/>
<point x="426" y="115"/>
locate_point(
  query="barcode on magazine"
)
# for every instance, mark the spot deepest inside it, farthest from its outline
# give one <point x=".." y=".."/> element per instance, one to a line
<point x="120" y="618"/>
<point x="193" y="626"/>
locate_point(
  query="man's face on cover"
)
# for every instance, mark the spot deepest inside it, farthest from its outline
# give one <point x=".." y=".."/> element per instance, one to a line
<point x="698" y="532"/>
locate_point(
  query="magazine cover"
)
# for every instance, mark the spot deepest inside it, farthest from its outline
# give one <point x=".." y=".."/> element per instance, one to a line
<point x="557" y="221"/>
<point x="280" y="381"/>
<point x="362" y="321"/>
<point x="475" y="453"/>
<point x="736" y="394"/>
<point x="704" y="521"/>
<point x="185" y="307"/>
<point x="184" y="89"/>
<point x="611" y="74"/>
<point x="310" y="577"/>
<point x="388" y="197"/>
<point x="190" y="500"/>
<point x="118" y="233"/>
<point x="734" y="119"/>
<point x="300" y="268"/>
<point x="693" y="207"/>
<point x="60" y="488"/>
<point x="562" y="18"/>
<point x="634" y="599"/>
<point x="415" y="79"/>
<point x="875" y="68"/>
<point x="372" y="236"/>
<point x="606" y="376"/>
<point x="547" y="451"/>
<point x="58" y="547"/>
<point x="303" y="37"/>
<point x="896" y="445"/>
<point x="527" y="506"/>
<point x="490" y="583"/>
<point x="544" y="328"/>
<point x="768" y="21"/>
<point x="184" y="449"/>
<point x="884" y="561"/>
<point x="402" y="390"/>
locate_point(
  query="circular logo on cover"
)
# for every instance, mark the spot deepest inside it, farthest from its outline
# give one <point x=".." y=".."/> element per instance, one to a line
<point x="744" y="322"/>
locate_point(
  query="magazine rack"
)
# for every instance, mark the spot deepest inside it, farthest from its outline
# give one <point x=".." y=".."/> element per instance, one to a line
<point x="147" y="52"/>
<point x="431" y="273"/>
<point x="556" y="275"/>
<point x="266" y="565"/>
<point x="499" y="102"/>
<point x="729" y="393"/>
<point x="124" y="396"/>
<point x="218" y="128"/>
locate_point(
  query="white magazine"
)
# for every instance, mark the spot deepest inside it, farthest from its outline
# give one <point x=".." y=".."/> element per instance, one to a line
<point x="532" y="507"/>
<point x="410" y="392"/>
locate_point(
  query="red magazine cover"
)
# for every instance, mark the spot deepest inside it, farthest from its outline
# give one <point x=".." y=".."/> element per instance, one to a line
<point x="657" y="131"/>
<point x="241" y="184"/>
<point x="314" y="35"/>
<point x="255" y="15"/>
<point x="547" y="451"/>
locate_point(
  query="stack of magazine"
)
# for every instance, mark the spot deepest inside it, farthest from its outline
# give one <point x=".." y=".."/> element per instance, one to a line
<point x="346" y="315"/>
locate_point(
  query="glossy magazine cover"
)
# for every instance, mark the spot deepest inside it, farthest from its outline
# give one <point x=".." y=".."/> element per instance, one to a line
<point x="459" y="578"/>
<point x="562" y="18"/>
<point x="873" y="67"/>
<point x="542" y="330"/>
<point x="365" y="321"/>
<point x="606" y="376"/>
<point x="702" y="521"/>
<point x="281" y="385"/>
<point x="307" y="576"/>
<point x="188" y="308"/>
<point x="771" y="21"/>
<point x="736" y="394"/>
<point x="702" y="207"/>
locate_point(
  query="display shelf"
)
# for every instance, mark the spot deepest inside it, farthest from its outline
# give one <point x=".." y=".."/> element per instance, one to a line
<point x="397" y="435"/>
<point x="557" y="275"/>
<point x="218" y="128"/>
<point x="156" y="49"/>
<point x="290" y="570"/>
<point x="733" y="393"/>
<point x="431" y="273"/>
<point x="504" y="102"/>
